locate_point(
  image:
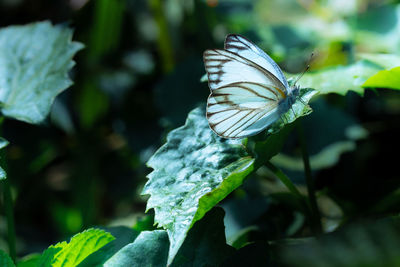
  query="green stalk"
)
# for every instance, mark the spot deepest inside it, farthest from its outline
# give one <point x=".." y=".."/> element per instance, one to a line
<point x="316" y="216"/>
<point x="9" y="211"/>
<point x="8" y="205"/>
<point x="284" y="179"/>
<point x="293" y="189"/>
<point x="164" y="39"/>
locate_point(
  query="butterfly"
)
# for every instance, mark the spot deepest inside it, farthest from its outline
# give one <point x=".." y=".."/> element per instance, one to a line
<point x="249" y="92"/>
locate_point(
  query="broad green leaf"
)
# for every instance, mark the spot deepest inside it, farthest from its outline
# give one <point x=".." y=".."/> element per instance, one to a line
<point x="193" y="171"/>
<point x="3" y="174"/>
<point x="387" y="61"/>
<point x="205" y="244"/>
<point x="5" y="260"/>
<point x="196" y="169"/>
<point x="388" y="78"/>
<point x="327" y="157"/>
<point x="374" y="244"/>
<point x="341" y="79"/>
<point x="123" y="236"/>
<point x="80" y="246"/>
<point x="326" y="141"/>
<point x="271" y="145"/>
<point x="3" y="142"/>
<point x="385" y="79"/>
<point x="34" y="64"/>
<point x="150" y="248"/>
<point x="367" y="72"/>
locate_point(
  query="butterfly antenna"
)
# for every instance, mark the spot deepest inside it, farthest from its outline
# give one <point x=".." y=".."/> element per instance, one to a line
<point x="306" y="68"/>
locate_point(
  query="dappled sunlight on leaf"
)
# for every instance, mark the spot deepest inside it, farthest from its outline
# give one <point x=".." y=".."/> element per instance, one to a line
<point x="193" y="171"/>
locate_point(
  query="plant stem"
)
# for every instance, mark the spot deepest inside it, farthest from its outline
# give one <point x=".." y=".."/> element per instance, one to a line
<point x="164" y="40"/>
<point x="9" y="211"/>
<point x="284" y="179"/>
<point x="316" y="216"/>
<point x="8" y="204"/>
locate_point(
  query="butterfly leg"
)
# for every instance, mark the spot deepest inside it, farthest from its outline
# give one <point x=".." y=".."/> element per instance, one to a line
<point x="283" y="118"/>
<point x="294" y="113"/>
<point x="301" y="100"/>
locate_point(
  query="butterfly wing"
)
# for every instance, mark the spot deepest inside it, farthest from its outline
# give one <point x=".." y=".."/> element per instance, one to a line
<point x="246" y="88"/>
<point x="241" y="46"/>
<point x="224" y="67"/>
<point x="242" y="109"/>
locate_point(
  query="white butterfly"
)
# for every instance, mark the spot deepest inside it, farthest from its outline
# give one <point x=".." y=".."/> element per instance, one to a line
<point x="248" y="89"/>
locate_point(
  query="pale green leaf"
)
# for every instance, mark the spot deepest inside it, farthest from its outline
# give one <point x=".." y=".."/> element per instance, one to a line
<point x="150" y="248"/>
<point x="3" y="144"/>
<point x="80" y="246"/>
<point x="327" y="157"/>
<point x="34" y="64"/>
<point x="5" y="260"/>
<point x="385" y="79"/>
<point x="387" y="61"/>
<point x="341" y="79"/>
<point x="368" y="72"/>
<point x="3" y="174"/>
<point x="123" y="236"/>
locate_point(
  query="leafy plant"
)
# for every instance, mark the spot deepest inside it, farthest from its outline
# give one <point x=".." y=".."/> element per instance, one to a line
<point x="35" y="60"/>
<point x="275" y="212"/>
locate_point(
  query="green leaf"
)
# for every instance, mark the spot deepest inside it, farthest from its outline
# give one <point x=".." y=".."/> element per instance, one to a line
<point x="387" y="61"/>
<point x="326" y="141"/>
<point x="385" y="79"/>
<point x="367" y="72"/>
<point x="341" y="79"/>
<point x="205" y="244"/>
<point x="196" y="169"/>
<point x="34" y="64"/>
<point x="150" y="248"/>
<point x="273" y="139"/>
<point x="72" y="253"/>
<point x="299" y="108"/>
<point x="5" y="260"/>
<point x="31" y="260"/>
<point x="374" y="244"/>
<point x="193" y="171"/>
<point x="327" y="157"/>
<point x="3" y="144"/>
<point x="123" y="236"/>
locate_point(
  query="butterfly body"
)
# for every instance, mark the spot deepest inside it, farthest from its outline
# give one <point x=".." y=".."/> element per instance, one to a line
<point x="286" y="103"/>
<point x="248" y="89"/>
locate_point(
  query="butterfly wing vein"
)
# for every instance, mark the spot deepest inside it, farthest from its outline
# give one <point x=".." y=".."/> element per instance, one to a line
<point x="246" y="88"/>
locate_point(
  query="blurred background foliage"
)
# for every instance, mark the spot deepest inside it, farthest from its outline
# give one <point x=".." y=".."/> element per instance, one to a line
<point x="139" y="76"/>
